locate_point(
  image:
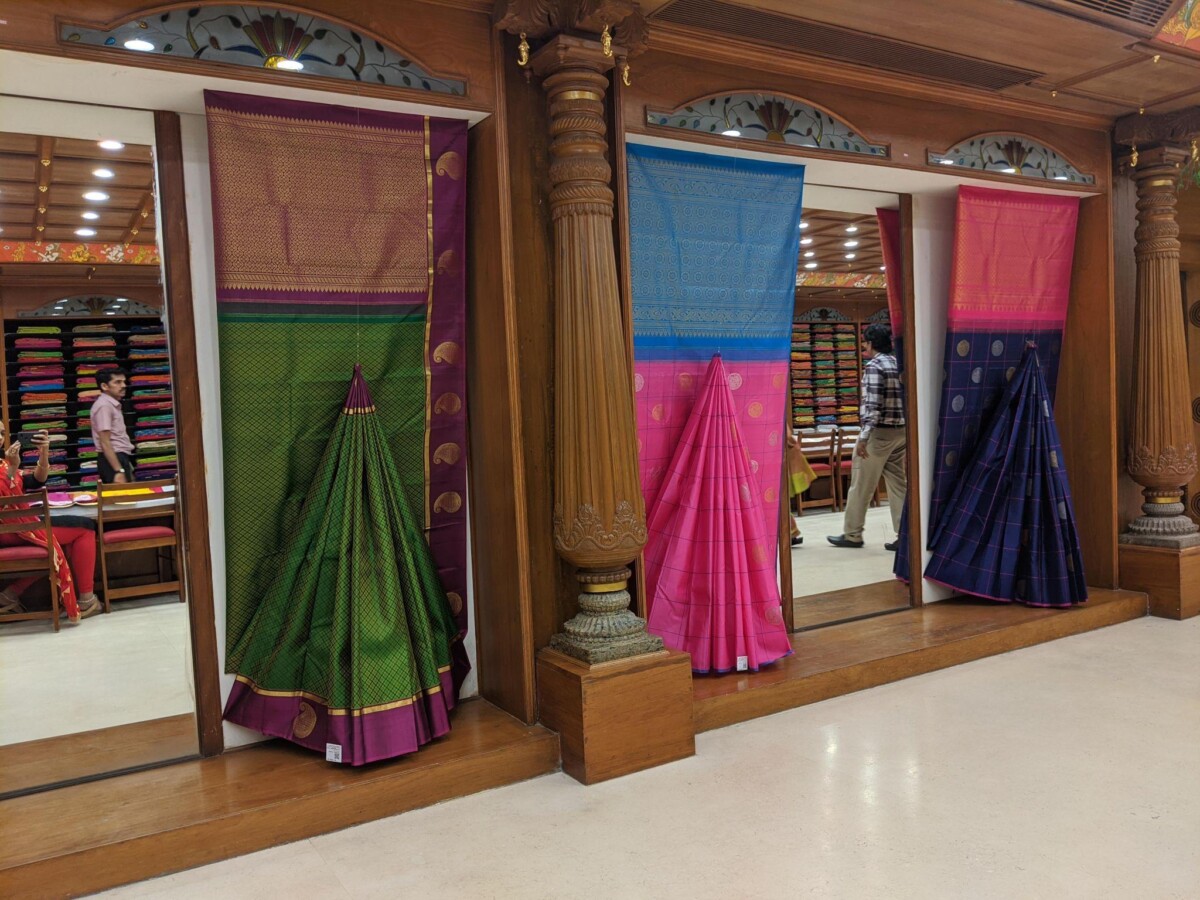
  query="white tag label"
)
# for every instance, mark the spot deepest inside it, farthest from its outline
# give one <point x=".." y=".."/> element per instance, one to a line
<point x="743" y="663"/>
<point x="333" y="753"/>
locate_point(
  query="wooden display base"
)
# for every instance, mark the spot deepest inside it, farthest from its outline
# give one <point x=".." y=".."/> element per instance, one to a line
<point x="1170" y="577"/>
<point x="617" y="717"/>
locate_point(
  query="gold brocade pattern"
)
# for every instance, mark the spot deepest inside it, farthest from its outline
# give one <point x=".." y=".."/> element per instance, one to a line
<point x="374" y="219"/>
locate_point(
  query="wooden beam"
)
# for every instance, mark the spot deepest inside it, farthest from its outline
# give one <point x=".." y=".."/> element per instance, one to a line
<point x="1178" y="127"/>
<point x="139" y="216"/>
<point x="45" y="174"/>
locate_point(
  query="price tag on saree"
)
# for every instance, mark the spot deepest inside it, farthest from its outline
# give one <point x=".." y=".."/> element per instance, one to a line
<point x="333" y="753"/>
<point x="743" y="663"/>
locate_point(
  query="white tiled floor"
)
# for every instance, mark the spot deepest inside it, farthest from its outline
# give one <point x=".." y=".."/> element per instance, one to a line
<point x="1067" y="770"/>
<point x="127" y="666"/>
<point x="819" y="567"/>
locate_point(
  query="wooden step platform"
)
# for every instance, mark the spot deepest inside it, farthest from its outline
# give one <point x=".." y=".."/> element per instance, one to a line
<point x="841" y="659"/>
<point x="99" y="835"/>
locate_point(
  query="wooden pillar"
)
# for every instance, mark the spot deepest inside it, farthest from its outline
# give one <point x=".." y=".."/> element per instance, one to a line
<point x="619" y="700"/>
<point x="1161" y="444"/>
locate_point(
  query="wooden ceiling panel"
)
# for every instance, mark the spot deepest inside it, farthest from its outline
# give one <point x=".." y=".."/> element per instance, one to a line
<point x="826" y="238"/>
<point x="43" y="181"/>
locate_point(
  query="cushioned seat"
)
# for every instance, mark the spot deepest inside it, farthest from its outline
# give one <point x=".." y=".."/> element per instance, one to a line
<point x="142" y="533"/>
<point x="28" y="551"/>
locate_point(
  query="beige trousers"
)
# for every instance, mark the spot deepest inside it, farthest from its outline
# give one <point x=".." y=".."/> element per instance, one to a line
<point x="886" y="459"/>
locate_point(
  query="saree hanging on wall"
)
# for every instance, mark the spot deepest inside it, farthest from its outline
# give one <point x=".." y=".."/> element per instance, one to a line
<point x="339" y="238"/>
<point x="1010" y="284"/>
<point x="350" y="645"/>
<point x="714" y="243"/>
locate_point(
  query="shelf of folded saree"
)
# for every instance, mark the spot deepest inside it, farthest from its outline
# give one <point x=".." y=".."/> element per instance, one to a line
<point x="824" y="373"/>
<point x="51" y="384"/>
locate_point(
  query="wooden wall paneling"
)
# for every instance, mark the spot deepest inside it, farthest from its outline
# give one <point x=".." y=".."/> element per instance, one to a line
<point x="181" y="330"/>
<point x="1085" y="404"/>
<point x="447" y="41"/>
<point x="911" y="126"/>
<point x="916" y="533"/>
<point x="4" y="314"/>
<point x="1191" y="309"/>
<point x="552" y="583"/>
<point x="1124" y="216"/>
<point x="500" y="537"/>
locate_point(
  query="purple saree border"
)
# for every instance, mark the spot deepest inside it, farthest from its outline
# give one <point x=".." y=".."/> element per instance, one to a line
<point x="307" y="111"/>
<point x="365" y="738"/>
<point x="445" y="362"/>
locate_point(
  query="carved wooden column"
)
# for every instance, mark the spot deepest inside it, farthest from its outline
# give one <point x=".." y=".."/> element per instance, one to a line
<point x="599" y="519"/>
<point x="1161" y="443"/>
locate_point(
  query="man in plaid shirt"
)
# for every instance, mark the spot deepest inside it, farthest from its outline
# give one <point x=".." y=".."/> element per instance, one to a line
<point x="880" y="449"/>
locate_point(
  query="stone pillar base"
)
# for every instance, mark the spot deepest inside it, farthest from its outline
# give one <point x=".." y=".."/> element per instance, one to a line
<point x="605" y="629"/>
<point x="617" y="717"/>
<point x="1169" y="574"/>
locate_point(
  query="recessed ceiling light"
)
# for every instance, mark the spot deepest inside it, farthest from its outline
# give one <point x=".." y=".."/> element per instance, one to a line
<point x="850" y="243"/>
<point x="851" y="229"/>
<point x="809" y="254"/>
<point x="139" y="44"/>
<point x="731" y="132"/>
<point x="90" y="215"/>
<point x="851" y="255"/>
<point x="111" y="145"/>
<point x="97" y="196"/>
<point x="803" y="224"/>
<point x="1009" y="171"/>
<point x="883" y="268"/>
<point x="86" y="232"/>
<point x="804" y="242"/>
<point x="103" y="173"/>
<point x="946" y="162"/>
<point x="122" y="299"/>
<point x="109" y="312"/>
<point x="289" y="65"/>
<point x="811" y="265"/>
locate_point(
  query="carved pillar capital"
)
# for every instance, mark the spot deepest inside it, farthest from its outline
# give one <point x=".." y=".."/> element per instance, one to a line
<point x="1161" y="453"/>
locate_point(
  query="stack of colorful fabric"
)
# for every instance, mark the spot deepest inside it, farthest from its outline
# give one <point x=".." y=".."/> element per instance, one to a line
<point x="39" y="385"/>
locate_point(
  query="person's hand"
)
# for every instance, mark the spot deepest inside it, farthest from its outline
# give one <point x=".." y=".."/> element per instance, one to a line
<point x="860" y="450"/>
<point x="41" y="440"/>
<point x="13" y="454"/>
<point x="120" y="478"/>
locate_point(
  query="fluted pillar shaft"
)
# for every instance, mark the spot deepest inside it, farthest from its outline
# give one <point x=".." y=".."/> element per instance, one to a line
<point x="599" y="517"/>
<point x="1161" y="453"/>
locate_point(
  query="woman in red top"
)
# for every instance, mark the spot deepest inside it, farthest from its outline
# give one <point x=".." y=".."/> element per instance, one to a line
<point x="78" y="598"/>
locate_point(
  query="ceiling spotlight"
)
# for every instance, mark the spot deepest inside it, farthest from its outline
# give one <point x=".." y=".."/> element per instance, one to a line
<point x="96" y="196"/>
<point x="109" y="312"/>
<point x="804" y="242"/>
<point x="731" y="132"/>
<point x="1061" y="178"/>
<point x="90" y="215"/>
<point x="1009" y="171"/>
<point x="883" y="268"/>
<point x="851" y="229"/>
<point x="811" y="265"/>
<point x="809" y="254"/>
<point x="139" y="44"/>
<point x="851" y="255"/>
<point x="111" y="145"/>
<point x="289" y="65"/>
<point x="946" y="162"/>
<point x="122" y="299"/>
<point x="803" y="224"/>
<point x="103" y="173"/>
<point x="86" y="232"/>
<point x="850" y="244"/>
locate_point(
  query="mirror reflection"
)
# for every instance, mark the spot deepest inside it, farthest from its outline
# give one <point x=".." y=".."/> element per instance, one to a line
<point x="94" y="668"/>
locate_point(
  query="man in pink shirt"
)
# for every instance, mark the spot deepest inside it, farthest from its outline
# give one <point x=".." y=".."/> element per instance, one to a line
<point x="115" y="450"/>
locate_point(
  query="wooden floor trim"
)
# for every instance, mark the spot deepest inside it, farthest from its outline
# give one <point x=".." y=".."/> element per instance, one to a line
<point x="99" y="835"/>
<point x="841" y="659"/>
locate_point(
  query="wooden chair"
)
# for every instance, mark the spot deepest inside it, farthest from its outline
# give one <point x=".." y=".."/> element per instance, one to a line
<point x="29" y="559"/>
<point x="818" y="448"/>
<point x="111" y="510"/>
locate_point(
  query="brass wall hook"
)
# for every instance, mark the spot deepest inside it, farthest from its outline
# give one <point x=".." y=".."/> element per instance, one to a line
<point x="523" y="51"/>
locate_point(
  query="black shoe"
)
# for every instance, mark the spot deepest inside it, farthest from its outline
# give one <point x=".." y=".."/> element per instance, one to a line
<point x="892" y="546"/>
<point x="841" y="540"/>
<point x="797" y="541"/>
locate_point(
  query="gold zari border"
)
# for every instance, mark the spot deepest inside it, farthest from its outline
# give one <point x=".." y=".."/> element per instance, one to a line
<point x="332" y="711"/>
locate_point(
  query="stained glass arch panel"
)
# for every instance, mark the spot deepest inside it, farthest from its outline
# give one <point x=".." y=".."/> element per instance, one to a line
<point x="774" y="118"/>
<point x="1010" y="154"/>
<point x="263" y="37"/>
